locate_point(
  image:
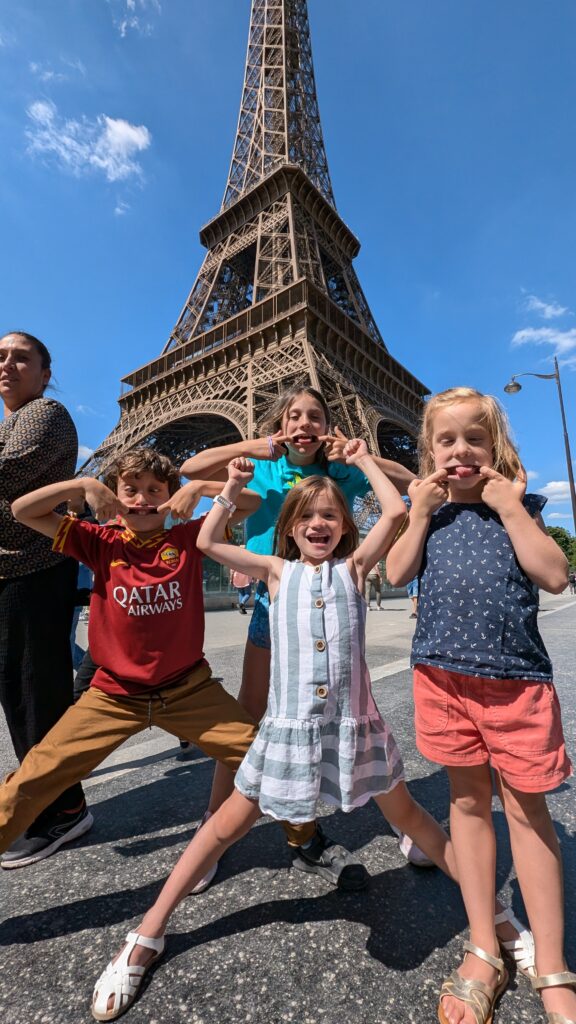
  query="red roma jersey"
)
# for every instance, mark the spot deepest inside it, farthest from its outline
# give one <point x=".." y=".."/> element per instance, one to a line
<point x="146" y="624"/>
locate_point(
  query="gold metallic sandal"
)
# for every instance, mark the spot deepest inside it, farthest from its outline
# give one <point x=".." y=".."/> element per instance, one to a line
<point x="550" y="981"/>
<point x="479" y="996"/>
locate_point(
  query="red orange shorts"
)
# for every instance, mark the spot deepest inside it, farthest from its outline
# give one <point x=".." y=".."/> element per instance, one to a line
<point x="513" y="724"/>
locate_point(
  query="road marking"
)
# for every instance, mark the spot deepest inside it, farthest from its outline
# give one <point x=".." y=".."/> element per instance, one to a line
<point x="389" y="669"/>
<point x="552" y="611"/>
<point x="150" y="751"/>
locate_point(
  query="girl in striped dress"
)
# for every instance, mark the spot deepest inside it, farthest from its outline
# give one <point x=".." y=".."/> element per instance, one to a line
<point x="323" y="737"/>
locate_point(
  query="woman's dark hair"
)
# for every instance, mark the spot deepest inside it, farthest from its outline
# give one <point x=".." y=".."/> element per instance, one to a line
<point x="45" y="357"/>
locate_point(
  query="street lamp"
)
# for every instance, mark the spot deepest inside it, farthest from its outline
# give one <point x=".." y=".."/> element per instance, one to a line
<point x="513" y="387"/>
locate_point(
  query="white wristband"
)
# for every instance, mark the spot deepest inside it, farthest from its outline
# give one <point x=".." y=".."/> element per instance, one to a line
<point x="224" y="503"/>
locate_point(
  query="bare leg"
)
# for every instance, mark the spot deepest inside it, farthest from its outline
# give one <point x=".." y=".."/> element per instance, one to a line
<point x="234" y="819"/>
<point x="475" y="851"/>
<point x="253" y="697"/>
<point x="400" y="809"/>
<point x="538" y="865"/>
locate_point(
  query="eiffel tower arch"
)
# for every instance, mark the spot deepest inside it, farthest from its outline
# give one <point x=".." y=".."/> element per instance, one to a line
<point x="277" y="300"/>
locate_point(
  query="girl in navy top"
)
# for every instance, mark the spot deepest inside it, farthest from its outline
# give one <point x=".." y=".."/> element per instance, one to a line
<point x="483" y="684"/>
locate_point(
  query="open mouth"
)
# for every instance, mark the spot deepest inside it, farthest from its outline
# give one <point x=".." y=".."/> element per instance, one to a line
<point x="462" y="472"/>
<point x="318" y="538"/>
<point x="304" y="439"/>
<point x="142" y="510"/>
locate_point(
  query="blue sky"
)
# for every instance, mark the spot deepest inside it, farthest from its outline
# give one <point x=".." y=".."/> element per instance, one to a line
<point x="450" y="138"/>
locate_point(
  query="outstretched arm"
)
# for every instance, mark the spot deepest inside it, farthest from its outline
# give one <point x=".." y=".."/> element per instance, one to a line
<point x="377" y="541"/>
<point x="538" y="554"/>
<point x="334" y="445"/>
<point x="36" y="509"/>
<point x="183" y="502"/>
<point x="212" y="536"/>
<point x="211" y="464"/>
<point x="405" y="556"/>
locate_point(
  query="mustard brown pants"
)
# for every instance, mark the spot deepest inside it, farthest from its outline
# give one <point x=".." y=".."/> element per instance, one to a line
<point x="198" y="709"/>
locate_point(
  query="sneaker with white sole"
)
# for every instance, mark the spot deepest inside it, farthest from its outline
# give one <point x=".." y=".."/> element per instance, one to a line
<point x="322" y="856"/>
<point x="208" y="878"/>
<point x="414" y="855"/>
<point x="45" y="838"/>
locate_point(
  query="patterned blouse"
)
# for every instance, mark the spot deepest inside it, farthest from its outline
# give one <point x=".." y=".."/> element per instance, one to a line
<point x="477" y="610"/>
<point x="38" y="446"/>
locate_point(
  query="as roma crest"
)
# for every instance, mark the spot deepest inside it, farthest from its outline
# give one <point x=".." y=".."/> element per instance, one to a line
<point x="170" y="557"/>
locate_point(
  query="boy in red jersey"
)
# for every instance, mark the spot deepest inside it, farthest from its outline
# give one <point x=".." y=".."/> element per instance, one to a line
<point x="146" y="634"/>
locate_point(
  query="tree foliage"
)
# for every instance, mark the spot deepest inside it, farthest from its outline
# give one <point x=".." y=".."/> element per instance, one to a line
<point x="565" y="540"/>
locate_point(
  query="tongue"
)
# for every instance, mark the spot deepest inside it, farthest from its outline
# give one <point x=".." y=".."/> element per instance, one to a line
<point x="464" y="471"/>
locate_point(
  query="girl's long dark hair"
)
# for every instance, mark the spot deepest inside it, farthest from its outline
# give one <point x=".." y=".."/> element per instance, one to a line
<point x="271" y="422"/>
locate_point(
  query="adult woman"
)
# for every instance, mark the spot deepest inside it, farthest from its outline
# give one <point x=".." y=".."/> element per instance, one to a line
<point x="298" y="444"/>
<point x="38" y="445"/>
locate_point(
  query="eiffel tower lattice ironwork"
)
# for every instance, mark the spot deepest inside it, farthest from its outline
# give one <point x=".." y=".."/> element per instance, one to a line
<point x="277" y="300"/>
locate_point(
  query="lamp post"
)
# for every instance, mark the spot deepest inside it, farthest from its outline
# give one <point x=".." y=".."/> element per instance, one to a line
<point x="513" y="387"/>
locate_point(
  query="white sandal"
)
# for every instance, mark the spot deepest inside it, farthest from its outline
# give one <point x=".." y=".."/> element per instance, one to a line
<point x="520" y="950"/>
<point x="122" y="979"/>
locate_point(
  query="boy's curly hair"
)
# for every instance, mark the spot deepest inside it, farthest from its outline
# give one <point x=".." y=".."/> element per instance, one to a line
<point x="142" y="460"/>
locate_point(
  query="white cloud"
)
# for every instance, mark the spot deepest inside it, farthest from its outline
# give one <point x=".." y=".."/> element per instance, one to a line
<point x="563" y="342"/>
<point x="7" y="38"/>
<point x="82" y="146"/>
<point x="87" y="410"/>
<point x="547" y="310"/>
<point x="121" y="208"/>
<point x="84" y="452"/>
<point x="135" y="15"/>
<point x="556" y="491"/>
<point x="559" y="515"/>
<point x="75" y="65"/>
<point x="531" y="474"/>
<point x="46" y="73"/>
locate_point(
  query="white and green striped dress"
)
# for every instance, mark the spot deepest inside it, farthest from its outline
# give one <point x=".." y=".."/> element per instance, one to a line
<point x="323" y="737"/>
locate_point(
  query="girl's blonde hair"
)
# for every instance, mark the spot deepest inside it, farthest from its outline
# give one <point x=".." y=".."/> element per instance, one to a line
<point x="492" y="417"/>
<point x="297" y="502"/>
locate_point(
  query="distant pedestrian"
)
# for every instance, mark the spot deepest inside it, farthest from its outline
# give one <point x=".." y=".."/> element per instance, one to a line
<point x="572" y="581"/>
<point x="483" y="691"/>
<point x="243" y="585"/>
<point x="374" y="583"/>
<point x="38" y="446"/>
<point x="83" y="591"/>
<point x="412" y="590"/>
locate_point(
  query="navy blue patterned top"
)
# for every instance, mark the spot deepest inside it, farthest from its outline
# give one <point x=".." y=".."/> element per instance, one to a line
<point x="477" y="609"/>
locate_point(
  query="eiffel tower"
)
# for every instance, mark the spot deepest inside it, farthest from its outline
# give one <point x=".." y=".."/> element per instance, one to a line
<point x="277" y="300"/>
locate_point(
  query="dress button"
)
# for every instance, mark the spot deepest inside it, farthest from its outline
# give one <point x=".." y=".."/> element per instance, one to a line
<point x="318" y="603"/>
<point x="322" y="691"/>
<point x="317" y="569"/>
<point x="320" y="645"/>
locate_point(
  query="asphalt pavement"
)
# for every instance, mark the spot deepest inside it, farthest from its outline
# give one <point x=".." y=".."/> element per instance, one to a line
<point x="264" y="945"/>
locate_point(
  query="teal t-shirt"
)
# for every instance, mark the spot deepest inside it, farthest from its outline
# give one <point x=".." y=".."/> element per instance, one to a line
<point x="273" y="480"/>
